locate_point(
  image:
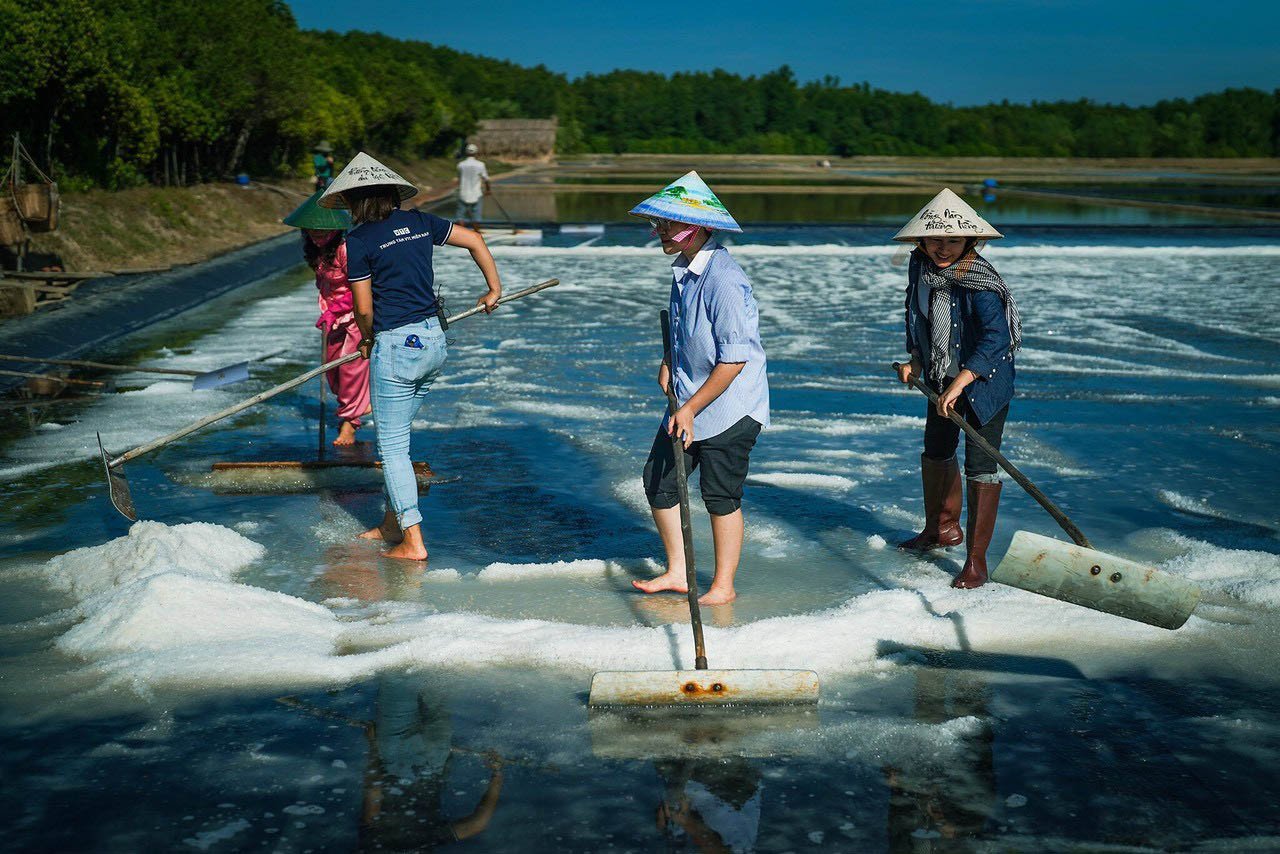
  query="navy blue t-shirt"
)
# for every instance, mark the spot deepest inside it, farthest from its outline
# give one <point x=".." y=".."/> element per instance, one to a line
<point x="396" y="254"/>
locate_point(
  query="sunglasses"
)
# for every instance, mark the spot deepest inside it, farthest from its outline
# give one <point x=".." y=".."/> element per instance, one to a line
<point x="663" y="226"/>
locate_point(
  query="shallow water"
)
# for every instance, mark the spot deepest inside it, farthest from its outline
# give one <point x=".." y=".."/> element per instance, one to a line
<point x="548" y="204"/>
<point x="268" y="682"/>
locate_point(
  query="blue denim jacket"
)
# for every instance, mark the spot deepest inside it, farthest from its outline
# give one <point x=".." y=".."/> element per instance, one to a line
<point x="983" y="342"/>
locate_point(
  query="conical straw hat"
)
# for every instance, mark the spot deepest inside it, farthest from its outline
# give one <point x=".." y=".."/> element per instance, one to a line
<point x="364" y="171"/>
<point x="309" y="214"/>
<point x="688" y="200"/>
<point x="947" y="216"/>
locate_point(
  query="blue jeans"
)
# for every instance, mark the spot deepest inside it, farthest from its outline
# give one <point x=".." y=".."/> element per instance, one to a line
<point x="404" y="364"/>
<point x="469" y="211"/>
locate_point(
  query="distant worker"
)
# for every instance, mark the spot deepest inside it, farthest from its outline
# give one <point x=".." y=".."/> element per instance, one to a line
<point x="962" y="332"/>
<point x="325" y="249"/>
<point x="473" y="186"/>
<point x="322" y="162"/>
<point x="717" y="370"/>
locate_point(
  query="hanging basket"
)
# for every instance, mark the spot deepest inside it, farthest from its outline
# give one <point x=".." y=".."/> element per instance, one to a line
<point x="38" y="205"/>
<point x="11" y="229"/>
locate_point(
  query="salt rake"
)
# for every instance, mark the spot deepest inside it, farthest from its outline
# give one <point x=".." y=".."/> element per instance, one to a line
<point x="700" y="686"/>
<point x="113" y="467"/>
<point x="1080" y="574"/>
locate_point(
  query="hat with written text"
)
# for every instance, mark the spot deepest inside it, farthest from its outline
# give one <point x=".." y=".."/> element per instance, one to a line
<point x="688" y="200"/>
<point x="309" y="214"/>
<point x="947" y="216"/>
<point x="364" y="171"/>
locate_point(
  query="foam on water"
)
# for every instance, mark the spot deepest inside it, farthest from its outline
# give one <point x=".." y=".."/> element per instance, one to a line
<point x="1250" y="577"/>
<point x="138" y="597"/>
<point x="804" y="480"/>
<point x="500" y="572"/>
<point x="130" y="418"/>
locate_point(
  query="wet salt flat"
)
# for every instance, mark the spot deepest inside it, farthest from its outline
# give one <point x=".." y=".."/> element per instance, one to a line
<point x="238" y="674"/>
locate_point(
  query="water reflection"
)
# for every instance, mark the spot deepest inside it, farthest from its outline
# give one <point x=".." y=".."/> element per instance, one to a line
<point x="709" y="805"/>
<point x="356" y="570"/>
<point x="410" y="754"/>
<point x="936" y="808"/>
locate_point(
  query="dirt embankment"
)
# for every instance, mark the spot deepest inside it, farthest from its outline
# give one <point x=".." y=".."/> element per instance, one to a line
<point x="163" y="226"/>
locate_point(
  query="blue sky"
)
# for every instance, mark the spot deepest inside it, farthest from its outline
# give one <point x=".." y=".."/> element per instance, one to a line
<point x="964" y="52"/>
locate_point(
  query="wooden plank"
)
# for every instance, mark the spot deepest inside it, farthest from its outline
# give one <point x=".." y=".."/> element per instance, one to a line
<point x="136" y="271"/>
<point x="419" y="467"/>
<point x="52" y="379"/>
<point x="41" y="275"/>
<point x="44" y="289"/>
<point x="280" y="477"/>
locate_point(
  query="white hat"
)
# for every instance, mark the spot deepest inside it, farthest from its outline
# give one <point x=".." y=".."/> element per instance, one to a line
<point x="471" y="148"/>
<point x="947" y="216"/>
<point x="364" y="171"/>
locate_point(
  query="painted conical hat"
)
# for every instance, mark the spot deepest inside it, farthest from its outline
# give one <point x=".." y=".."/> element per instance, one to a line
<point x="364" y="171"/>
<point x="309" y="214"/>
<point x="947" y="215"/>
<point x="688" y="200"/>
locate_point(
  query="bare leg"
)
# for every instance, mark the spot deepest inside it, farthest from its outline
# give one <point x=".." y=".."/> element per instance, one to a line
<point x="412" y="547"/>
<point x="346" y="434"/>
<point x="388" y="530"/>
<point x="726" y="533"/>
<point x="668" y="522"/>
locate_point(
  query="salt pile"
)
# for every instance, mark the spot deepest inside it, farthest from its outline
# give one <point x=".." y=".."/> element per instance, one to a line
<point x="160" y="608"/>
<point x="196" y="549"/>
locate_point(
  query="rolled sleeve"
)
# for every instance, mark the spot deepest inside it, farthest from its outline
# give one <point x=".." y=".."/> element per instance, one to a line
<point x="357" y="261"/>
<point x="735" y="321"/>
<point x="993" y="344"/>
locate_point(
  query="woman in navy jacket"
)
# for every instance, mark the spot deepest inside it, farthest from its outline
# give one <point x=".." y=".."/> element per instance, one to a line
<point x="962" y="332"/>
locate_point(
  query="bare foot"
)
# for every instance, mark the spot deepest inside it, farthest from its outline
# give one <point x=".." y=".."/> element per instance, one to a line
<point x="668" y="581"/>
<point x="346" y="434"/>
<point x="407" y="551"/>
<point x="717" y="596"/>
<point x="380" y="533"/>
<point x="389" y="531"/>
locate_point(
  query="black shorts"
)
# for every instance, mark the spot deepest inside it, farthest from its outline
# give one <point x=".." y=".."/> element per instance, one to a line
<point x="722" y="461"/>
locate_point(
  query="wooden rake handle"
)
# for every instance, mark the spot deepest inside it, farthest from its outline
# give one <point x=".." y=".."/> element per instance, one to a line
<point x="686" y="516"/>
<point x="1052" y="509"/>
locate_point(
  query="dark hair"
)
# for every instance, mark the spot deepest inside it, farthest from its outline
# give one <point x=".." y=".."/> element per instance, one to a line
<point x="317" y="255"/>
<point x="372" y="204"/>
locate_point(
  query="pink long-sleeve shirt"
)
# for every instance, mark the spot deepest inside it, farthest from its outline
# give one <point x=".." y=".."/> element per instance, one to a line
<point x="337" y="303"/>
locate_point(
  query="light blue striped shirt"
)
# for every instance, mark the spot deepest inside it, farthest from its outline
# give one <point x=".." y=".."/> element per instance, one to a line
<point x="714" y="319"/>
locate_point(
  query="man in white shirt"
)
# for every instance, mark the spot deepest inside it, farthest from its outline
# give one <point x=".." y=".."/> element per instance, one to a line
<point x="473" y="185"/>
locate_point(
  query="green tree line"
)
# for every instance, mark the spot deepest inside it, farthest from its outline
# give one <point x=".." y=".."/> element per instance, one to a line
<point x="122" y="92"/>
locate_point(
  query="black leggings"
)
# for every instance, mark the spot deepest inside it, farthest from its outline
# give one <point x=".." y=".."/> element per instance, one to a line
<point x="942" y="437"/>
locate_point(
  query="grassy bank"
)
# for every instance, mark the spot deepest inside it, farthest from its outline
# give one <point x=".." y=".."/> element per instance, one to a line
<point x="163" y="226"/>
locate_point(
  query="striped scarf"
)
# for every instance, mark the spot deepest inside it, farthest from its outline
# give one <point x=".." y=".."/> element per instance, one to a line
<point x="975" y="273"/>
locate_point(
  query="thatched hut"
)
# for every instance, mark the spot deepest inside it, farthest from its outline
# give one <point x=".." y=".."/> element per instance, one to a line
<point x="516" y="139"/>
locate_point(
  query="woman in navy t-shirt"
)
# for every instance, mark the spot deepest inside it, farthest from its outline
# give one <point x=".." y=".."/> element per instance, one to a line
<point x="389" y="270"/>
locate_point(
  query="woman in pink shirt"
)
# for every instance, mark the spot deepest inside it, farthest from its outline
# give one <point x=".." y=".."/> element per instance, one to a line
<point x="325" y="250"/>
